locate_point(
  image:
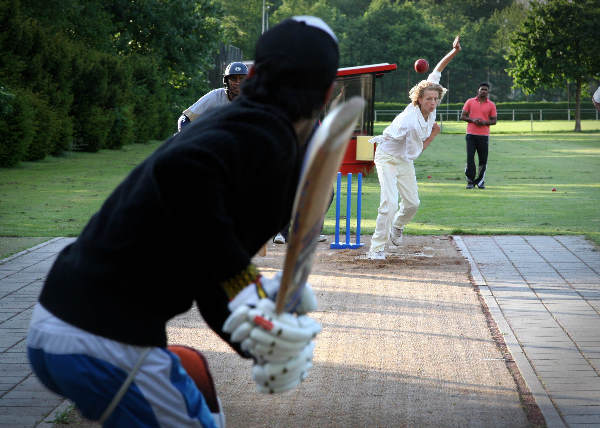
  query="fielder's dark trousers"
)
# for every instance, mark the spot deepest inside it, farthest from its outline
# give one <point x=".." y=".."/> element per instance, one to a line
<point x="476" y="144"/>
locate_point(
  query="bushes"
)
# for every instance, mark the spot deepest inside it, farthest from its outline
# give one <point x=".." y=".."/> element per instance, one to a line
<point x="62" y="95"/>
<point x="44" y="128"/>
<point x="150" y="100"/>
<point x="16" y="128"/>
<point x="122" y="131"/>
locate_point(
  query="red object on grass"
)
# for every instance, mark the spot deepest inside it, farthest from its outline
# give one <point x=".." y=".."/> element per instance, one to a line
<point x="360" y="80"/>
<point x="554" y="189"/>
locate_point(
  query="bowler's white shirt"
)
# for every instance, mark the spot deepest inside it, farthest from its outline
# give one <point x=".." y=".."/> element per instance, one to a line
<point x="404" y="137"/>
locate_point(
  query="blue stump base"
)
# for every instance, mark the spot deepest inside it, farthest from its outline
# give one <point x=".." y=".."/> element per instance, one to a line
<point x="341" y="246"/>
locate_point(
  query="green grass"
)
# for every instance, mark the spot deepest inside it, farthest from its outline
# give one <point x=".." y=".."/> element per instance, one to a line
<point x="13" y="245"/>
<point x="526" y="126"/>
<point x="56" y="197"/>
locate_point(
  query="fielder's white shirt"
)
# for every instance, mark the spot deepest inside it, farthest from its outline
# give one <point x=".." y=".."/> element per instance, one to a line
<point x="213" y="99"/>
<point x="404" y="137"/>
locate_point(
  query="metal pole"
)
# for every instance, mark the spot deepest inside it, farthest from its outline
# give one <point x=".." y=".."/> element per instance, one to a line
<point x="338" y="200"/>
<point x="348" y="206"/>
<point x="263" y="17"/>
<point x="531" y="119"/>
<point x="358" y="208"/>
<point x="447" y="95"/>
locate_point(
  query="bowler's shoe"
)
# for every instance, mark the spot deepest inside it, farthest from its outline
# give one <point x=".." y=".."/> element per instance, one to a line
<point x="396" y="235"/>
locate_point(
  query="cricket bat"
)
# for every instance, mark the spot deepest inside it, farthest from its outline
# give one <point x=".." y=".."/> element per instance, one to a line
<point x="321" y="163"/>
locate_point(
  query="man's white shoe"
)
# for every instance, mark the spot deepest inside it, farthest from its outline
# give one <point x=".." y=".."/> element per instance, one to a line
<point x="396" y="236"/>
<point x="279" y="239"/>
<point x="377" y="255"/>
<point x="322" y="238"/>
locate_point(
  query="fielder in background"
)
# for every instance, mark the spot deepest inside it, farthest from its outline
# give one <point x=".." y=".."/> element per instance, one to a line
<point x="98" y="333"/>
<point x="402" y="142"/>
<point x="596" y="99"/>
<point x="232" y="78"/>
<point x="479" y="113"/>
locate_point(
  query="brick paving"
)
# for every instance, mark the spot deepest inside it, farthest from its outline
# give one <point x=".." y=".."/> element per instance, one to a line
<point x="543" y="292"/>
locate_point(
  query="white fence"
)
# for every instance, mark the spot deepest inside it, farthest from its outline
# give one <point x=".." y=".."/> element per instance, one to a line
<point x="515" y="114"/>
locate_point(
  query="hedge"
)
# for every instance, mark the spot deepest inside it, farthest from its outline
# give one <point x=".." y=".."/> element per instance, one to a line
<point x="61" y="95"/>
<point x="16" y="131"/>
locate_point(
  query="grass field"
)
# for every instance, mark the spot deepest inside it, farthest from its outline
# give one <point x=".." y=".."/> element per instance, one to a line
<point x="522" y="126"/>
<point x="56" y="196"/>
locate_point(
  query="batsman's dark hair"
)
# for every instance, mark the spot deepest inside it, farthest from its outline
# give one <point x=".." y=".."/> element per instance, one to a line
<point x="486" y="84"/>
<point x="268" y="86"/>
<point x="295" y="63"/>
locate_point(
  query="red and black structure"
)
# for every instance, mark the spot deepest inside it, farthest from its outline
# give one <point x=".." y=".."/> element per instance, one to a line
<point x="359" y="81"/>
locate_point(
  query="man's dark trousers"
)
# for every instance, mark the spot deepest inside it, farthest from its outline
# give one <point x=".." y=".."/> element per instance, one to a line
<point x="476" y="144"/>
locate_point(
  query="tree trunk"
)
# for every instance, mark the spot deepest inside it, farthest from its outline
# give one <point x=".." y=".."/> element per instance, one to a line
<point x="578" y="106"/>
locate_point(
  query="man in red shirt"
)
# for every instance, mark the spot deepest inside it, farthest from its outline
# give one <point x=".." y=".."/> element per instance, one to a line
<point x="479" y="112"/>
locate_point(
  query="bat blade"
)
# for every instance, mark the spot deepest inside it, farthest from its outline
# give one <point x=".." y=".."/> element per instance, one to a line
<point x="321" y="163"/>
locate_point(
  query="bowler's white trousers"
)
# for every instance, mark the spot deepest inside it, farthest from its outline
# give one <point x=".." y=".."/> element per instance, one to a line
<point x="396" y="178"/>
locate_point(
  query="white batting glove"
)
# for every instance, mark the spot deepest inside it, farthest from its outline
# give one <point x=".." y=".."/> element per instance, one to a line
<point x="281" y="344"/>
<point x="249" y="297"/>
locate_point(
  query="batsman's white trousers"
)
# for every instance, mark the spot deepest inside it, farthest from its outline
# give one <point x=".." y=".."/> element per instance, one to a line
<point x="89" y="370"/>
<point x="396" y="178"/>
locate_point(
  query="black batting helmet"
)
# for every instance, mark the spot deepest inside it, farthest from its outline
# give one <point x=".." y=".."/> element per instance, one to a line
<point x="234" y="68"/>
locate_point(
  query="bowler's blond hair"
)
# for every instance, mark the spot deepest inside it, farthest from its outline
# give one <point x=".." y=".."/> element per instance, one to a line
<point x="419" y="89"/>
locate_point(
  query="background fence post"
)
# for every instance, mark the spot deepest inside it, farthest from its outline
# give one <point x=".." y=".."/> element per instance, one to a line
<point x="531" y="120"/>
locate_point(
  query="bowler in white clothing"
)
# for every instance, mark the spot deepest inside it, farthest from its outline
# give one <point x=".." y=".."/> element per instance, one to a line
<point x="401" y="143"/>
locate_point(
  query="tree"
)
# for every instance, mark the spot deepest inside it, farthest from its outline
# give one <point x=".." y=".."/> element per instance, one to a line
<point x="351" y="8"/>
<point x="182" y="35"/>
<point x="397" y="33"/>
<point x="242" y="24"/>
<point x="557" y="44"/>
<point x="320" y="8"/>
<point x="454" y="14"/>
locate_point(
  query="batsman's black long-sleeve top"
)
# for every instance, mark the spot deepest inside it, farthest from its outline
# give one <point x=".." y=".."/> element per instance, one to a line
<point x="185" y="220"/>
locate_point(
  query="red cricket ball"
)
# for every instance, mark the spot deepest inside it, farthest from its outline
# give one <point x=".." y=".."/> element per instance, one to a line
<point x="554" y="189"/>
<point x="421" y="65"/>
<point x="429" y="176"/>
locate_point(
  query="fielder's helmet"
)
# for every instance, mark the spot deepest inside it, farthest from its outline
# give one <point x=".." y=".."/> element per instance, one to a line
<point x="234" y="68"/>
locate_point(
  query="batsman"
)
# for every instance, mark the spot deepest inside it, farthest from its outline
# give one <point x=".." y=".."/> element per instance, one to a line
<point x="98" y="333"/>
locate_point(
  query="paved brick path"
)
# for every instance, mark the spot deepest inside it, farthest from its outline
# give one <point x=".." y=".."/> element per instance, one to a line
<point x="544" y="294"/>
